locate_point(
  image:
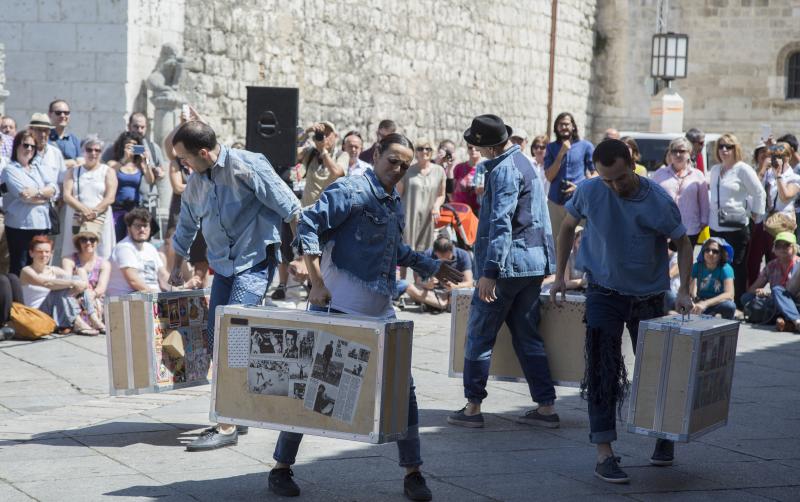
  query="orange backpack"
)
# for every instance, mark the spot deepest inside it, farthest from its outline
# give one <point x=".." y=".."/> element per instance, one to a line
<point x="462" y="220"/>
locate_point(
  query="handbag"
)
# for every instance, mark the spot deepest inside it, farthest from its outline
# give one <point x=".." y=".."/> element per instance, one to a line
<point x="760" y="310"/>
<point x="734" y="218"/>
<point x="30" y="323"/>
<point x="55" y="223"/>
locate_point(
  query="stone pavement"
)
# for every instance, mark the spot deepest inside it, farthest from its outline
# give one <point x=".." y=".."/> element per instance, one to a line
<point x="63" y="438"/>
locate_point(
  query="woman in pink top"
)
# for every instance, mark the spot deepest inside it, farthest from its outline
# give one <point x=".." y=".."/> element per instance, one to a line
<point x="463" y="184"/>
<point x="686" y="185"/>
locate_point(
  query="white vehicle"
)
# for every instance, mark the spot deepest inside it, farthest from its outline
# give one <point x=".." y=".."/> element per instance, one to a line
<point x="653" y="147"/>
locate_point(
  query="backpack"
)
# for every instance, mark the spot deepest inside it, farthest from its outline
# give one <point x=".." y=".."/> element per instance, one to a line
<point x="760" y="310"/>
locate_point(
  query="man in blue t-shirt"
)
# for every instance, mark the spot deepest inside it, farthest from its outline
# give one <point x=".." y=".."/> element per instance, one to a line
<point x="624" y="254"/>
<point x="567" y="162"/>
<point x="434" y="293"/>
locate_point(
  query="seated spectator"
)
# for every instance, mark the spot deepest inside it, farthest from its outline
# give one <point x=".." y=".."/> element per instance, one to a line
<point x="53" y="291"/>
<point x="576" y="280"/>
<point x="135" y="263"/>
<point x="25" y="202"/>
<point x="130" y="169"/>
<point x="89" y="191"/>
<point x="712" y="279"/>
<point x="97" y="270"/>
<point x="778" y="273"/>
<point x="348" y="160"/>
<point x="464" y="180"/>
<point x="434" y="293"/>
<point x="10" y="291"/>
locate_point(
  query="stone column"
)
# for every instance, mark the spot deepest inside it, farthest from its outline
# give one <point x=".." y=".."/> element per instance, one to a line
<point x="3" y="92"/>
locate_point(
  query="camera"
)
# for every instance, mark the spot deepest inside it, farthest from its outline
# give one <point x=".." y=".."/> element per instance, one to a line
<point x="773" y="160"/>
<point x="138" y="149"/>
<point x="319" y="136"/>
<point x="563" y="186"/>
<point x="448" y="156"/>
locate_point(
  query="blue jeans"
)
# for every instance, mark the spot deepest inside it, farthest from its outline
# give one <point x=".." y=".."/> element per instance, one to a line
<point x="605" y="382"/>
<point x="726" y="309"/>
<point x="517" y="305"/>
<point x="784" y="303"/>
<point x="408" y="448"/>
<point x="247" y="287"/>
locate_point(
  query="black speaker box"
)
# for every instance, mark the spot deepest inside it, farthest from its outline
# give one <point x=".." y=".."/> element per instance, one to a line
<point x="272" y="114"/>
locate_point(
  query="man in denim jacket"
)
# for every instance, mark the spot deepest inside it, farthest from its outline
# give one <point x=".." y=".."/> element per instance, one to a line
<point x="352" y="241"/>
<point x="241" y="202"/>
<point x="513" y="252"/>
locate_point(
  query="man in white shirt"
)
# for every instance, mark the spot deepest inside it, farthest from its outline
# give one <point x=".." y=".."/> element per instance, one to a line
<point x="135" y="263"/>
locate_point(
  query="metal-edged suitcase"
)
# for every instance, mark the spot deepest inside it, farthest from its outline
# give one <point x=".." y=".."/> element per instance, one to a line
<point x="139" y="323"/>
<point x="561" y="328"/>
<point x="683" y="376"/>
<point x="324" y="374"/>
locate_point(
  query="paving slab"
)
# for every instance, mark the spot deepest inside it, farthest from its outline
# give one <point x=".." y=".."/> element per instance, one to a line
<point x="102" y="488"/>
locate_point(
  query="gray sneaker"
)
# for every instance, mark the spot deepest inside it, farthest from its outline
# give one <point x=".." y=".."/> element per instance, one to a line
<point x="533" y="417"/>
<point x="461" y="419"/>
<point x="211" y="439"/>
<point x="608" y="470"/>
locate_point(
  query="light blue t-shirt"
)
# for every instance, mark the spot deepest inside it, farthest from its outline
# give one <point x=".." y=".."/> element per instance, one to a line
<point x="624" y="244"/>
<point x="710" y="283"/>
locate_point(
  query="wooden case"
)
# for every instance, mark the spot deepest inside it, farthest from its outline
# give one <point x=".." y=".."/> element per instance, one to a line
<point x="683" y="375"/>
<point x="561" y="328"/>
<point x="358" y="392"/>
<point x="137" y="326"/>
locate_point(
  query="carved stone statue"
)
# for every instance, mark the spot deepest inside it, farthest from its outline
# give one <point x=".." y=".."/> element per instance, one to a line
<point x="163" y="85"/>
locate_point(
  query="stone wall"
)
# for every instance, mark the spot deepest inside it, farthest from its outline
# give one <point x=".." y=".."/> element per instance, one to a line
<point x="736" y="75"/>
<point x="430" y="66"/>
<point x="3" y="91"/>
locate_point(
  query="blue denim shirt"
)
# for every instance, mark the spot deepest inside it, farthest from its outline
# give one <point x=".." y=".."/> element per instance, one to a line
<point x="366" y="226"/>
<point x="241" y="202"/>
<point x="20" y="213"/>
<point x="514" y="235"/>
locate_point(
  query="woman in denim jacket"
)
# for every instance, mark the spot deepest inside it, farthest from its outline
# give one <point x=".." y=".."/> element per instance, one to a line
<point x="352" y="241"/>
<point x="513" y="252"/>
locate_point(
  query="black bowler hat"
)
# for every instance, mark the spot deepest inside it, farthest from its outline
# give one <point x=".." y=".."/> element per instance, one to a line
<point x="487" y="130"/>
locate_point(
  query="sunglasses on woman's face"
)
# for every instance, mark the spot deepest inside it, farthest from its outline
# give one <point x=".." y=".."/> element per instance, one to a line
<point x="539" y="147"/>
<point x="726" y="147"/>
<point x="424" y="149"/>
<point x="712" y="251"/>
<point x="28" y="146"/>
<point x="93" y="150"/>
<point x="87" y="240"/>
<point x="397" y="162"/>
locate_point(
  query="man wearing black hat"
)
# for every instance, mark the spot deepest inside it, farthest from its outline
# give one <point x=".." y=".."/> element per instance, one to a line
<point x="513" y="252"/>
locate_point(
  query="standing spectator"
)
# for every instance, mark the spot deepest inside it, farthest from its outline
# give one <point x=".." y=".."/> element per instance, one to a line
<point x="26" y="201"/>
<point x="520" y="137"/>
<point x="51" y="290"/>
<point x="68" y="143"/>
<point x="687" y="186"/>
<point x="538" y="148"/>
<point x="445" y="157"/>
<point x="348" y="160"/>
<point x="85" y="262"/>
<point x="791" y="139"/>
<point x="135" y="263"/>
<point x="567" y="162"/>
<point x="464" y="180"/>
<point x="634" y="148"/>
<point x="732" y="182"/>
<point x="89" y="191"/>
<point x="759" y="248"/>
<point x="8" y="129"/>
<point x="385" y="127"/>
<point x="712" y="279"/>
<point x="422" y="189"/>
<point x="130" y="169"/>
<point x="697" y="138"/>
<point x="48" y="157"/>
<point x="611" y="133"/>
<point x="321" y="169"/>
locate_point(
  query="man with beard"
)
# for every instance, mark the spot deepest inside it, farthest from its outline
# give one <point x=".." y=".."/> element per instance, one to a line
<point x="135" y="263"/>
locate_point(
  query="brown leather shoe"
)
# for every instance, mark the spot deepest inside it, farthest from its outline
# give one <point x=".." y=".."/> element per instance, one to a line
<point x="780" y="324"/>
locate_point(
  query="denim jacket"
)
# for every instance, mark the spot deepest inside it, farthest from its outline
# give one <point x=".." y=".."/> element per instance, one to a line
<point x="514" y="235"/>
<point x="241" y="202"/>
<point x="366" y="226"/>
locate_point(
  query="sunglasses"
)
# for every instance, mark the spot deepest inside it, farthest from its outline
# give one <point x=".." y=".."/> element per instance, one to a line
<point x="725" y="147"/>
<point x="93" y="150"/>
<point x="61" y="113"/>
<point x="397" y="162"/>
<point x="87" y="240"/>
<point x="424" y="149"/>
<point x="539" y="147"/>
<point x="712" y="251"/>
<point x="680" y="152"/>
<point x="28" y="146"/>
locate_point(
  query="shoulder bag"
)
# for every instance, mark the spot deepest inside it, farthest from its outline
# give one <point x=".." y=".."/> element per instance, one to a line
<point x="94" y="226"/>
<point x="734" y="218"/>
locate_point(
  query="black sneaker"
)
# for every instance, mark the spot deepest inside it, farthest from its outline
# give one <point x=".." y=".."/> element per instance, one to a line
<point x="282" y="484"/>
<point x="242" y="430"/>
<point x="279" y="293"/>
<point x="608" y="470"/>
<point x="463" y="420"/>
<point x="664" y="453"/>
<point x="211" y="439"/>
<point x="533" y="417"/>
<point x="414" y="487"/>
